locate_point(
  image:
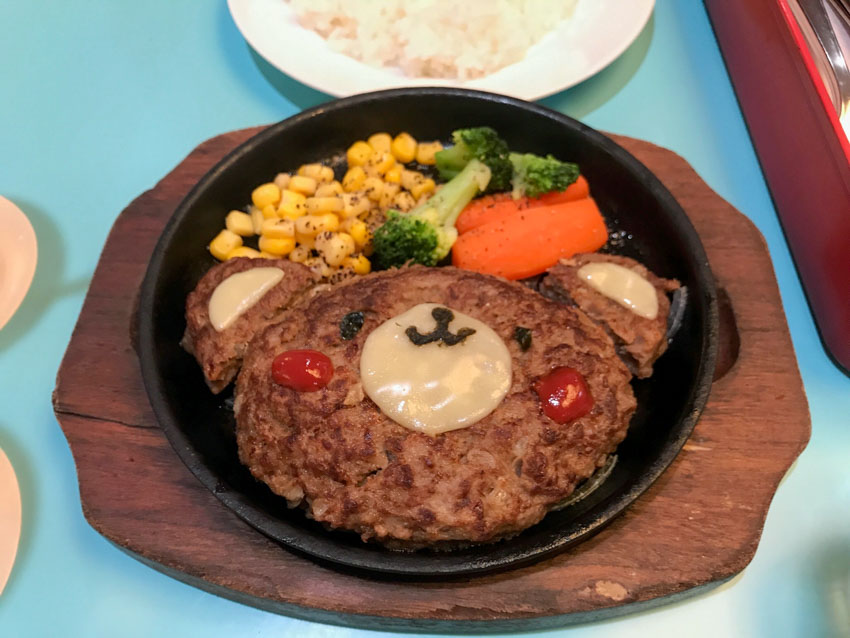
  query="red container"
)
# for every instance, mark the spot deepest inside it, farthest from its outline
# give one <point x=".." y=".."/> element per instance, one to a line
<point x="803" y="151"/>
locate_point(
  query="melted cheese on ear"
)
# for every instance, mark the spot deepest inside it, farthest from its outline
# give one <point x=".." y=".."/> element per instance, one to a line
<point x="622" y="285"/>
<point x="435" y="387"/>
<point x="240" y="291"/>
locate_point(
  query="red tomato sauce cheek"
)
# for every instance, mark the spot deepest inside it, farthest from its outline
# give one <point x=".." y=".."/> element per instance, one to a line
<point x="564" y="395"/>
<point x="302" y="370"/>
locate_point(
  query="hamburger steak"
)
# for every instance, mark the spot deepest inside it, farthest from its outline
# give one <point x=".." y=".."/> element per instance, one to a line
<point x="640" y="341"/>
<point x="220" y="353"/>
<point x="336" y="454"/>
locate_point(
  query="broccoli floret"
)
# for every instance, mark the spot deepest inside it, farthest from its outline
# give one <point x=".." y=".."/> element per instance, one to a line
<point x="481" y="143"/>
<point x="426" y="234"/>
<point x="534" y="175"/>
<point x="404" y="238"/>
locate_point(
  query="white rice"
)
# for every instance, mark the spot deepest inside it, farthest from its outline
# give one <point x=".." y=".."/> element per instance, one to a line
<point x="434" y="38"/>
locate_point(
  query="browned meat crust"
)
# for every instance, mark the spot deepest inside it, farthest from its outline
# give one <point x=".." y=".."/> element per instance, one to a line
<point x="640" y="341"/>
<point x="220" y="353"/>
<point x="336" y="454"/>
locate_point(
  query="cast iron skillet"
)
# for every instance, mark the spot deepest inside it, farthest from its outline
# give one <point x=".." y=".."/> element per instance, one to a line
<point x="200" y="426"/>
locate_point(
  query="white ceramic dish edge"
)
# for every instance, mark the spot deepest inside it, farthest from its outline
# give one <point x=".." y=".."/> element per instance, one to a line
<point x="599" y="32"/>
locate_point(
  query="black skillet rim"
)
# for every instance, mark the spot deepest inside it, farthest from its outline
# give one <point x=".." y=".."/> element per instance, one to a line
<point x="425" y="565"/>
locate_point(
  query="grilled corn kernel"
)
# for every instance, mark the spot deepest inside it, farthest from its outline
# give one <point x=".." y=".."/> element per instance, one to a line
<point x="404" y="201"/>
<point x="257" y="219"/>
<point x="358" y="264"/>
<point x="269" y="212"/>
<point x="307" y="225"/>
<point x="303" y="185"/>
<point x="329" y="189"/>
<point x="425" y="187"/>
<point x="380" y="142"/>
<point x="239" y="223"/>
<point x="289" y="196"/>
<point x="292" y="212"/>
<point x="355" y="204"/>
<point x="281" y="180"/>
<point x="322" y="174"/>
<point x="308" y="241"/>
<point x="380" y="163"/>
<point x="357" y="229"/>
<point x="354" y="178"/>
<point x="277" y="246"/>
<point x="393" y="176"/>
<point x="299" y="254"/>
<point x="322" y="240"/>
<point x="410" y="179"/>
<point x="315" y="264"/>
<point x="403" y="147"/>
<point x="265" y="194"/>
<point x="319" y="205"/>
<point x="373" y="187"/>
<point x="328" y="222"/>
<point x="244" y="251"/>
<point x="266" y="255"/>
<point x="327" y="175"/>
<point x="320" y="267"/>
<point x="223" y="243"/>
<point x="425" y="152"/>
<point x="336" y="248"/>
<point x="388" y="194"/>
<point x="291" y="205"/>
<point x="358" y="153"/>
<point x="313" y="171"/>
<point x="278" y="228"/>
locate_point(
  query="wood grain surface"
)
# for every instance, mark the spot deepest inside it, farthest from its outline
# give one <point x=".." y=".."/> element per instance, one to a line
<point x="696" y="527"/>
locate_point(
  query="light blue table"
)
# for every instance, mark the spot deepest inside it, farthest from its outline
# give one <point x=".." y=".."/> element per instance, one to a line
<point x="99" y="99"/>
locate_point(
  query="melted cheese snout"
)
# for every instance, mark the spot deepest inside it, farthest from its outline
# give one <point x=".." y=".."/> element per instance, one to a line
<point x="237" y="293"/>
<point x="623" y="285"/>
<point x="435" y="387"/>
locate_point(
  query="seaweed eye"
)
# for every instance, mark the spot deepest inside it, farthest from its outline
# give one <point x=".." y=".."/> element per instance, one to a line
<point x="351" y="324"/>
<point x="523" y="337"/>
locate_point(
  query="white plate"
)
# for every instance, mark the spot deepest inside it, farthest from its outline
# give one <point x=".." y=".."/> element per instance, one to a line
<point x="18" y="256"/>
<point x="597" y="34"/>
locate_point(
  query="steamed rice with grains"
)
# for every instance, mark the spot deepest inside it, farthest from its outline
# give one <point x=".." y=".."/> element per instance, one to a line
<point x="434" y="38"/>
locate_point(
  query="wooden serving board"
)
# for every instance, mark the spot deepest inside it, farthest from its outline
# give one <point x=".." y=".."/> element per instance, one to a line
<point x="696" y="527"/>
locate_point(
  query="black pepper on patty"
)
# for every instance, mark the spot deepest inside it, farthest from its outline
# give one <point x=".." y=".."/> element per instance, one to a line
<point x="351" y="467"/>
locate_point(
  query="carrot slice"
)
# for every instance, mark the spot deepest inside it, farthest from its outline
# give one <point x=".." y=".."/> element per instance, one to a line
<point x="579" y="189"/>
<point x="530" y="241"/>
<point x="502" y="213"/>
<point x="490" y="207"/>
<point x="478" y="211"/>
